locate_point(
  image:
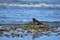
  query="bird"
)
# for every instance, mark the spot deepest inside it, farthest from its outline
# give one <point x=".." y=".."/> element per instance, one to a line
<point x="36" y="22"/>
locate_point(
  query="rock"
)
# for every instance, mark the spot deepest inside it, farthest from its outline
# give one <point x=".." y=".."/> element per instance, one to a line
<point x="1" y="32"/>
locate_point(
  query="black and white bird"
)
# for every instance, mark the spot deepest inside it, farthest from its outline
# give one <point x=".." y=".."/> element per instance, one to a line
<point x="36" y="22"/>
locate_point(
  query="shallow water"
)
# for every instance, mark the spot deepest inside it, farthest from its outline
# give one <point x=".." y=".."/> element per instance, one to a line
<point x="16" y="14"/>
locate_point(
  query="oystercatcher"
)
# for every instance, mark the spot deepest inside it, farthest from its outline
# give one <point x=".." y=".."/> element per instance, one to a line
<point x="36" y="22"/>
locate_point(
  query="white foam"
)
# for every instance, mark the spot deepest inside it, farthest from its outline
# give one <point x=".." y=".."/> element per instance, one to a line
<point x="32" y="5"/>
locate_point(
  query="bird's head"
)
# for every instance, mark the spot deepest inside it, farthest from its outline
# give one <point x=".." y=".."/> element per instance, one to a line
<point x="33" y="19"/>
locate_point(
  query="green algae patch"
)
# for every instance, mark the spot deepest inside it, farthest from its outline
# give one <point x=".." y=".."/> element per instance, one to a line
<point x="34" y="27"/>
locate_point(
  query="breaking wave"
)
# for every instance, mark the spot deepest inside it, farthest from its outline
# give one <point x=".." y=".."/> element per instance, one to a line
<point x="32" y="5"/>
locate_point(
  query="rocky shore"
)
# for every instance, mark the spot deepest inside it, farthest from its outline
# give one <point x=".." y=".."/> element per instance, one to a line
<point x="17" y="30"/>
